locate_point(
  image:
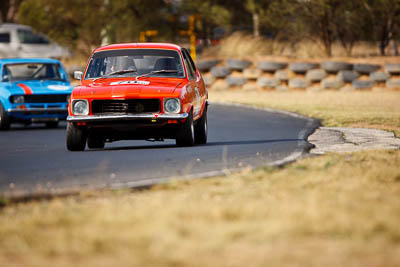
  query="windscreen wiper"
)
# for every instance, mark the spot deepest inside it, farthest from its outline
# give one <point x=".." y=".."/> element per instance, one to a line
<point x="115" y="73"/>
<point x="154" y="72"/>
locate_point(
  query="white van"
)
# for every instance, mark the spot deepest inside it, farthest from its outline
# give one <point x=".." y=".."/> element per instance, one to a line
<point x="18" y="40"/>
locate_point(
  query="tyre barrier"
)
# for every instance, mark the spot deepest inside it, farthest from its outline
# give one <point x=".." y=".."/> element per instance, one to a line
<point x="379" y="76"/>
<point x="268" y="82"/>
<point x="236" y="81"/>
<point x="348" y="76"/>
<point x="393" y="84"/>
<point x="366" y="68"/>
<point x="334" y="67"/>
<point x="392" y="69"/>
<point x="280" y="75"/>
<point x="271" y="66"/>
<point x="315" y="75"/>
<point x="298" y="83"/>
<point x="302" y="67"/>
<point x="237" y="64"/>
<point x="252" y="74"/>
<point x="206" y="65"/>
<point x="332" y="83"/>
<point x="220" y="72"/>
<point x="362" y="84"/>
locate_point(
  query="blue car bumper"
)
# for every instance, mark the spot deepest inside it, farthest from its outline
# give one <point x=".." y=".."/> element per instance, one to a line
<point x="38" y="113"/>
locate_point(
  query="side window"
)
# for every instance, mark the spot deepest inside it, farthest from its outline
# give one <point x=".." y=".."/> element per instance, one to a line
<point x="191" y="62"/>
<point x="4" y="37"/>
<point x="190" y="70"/>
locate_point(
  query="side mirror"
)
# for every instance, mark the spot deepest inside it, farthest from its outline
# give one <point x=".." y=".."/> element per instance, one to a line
<point x="78" y="75"/>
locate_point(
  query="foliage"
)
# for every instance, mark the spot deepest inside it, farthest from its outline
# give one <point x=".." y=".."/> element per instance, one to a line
<point x="85" y="24"/>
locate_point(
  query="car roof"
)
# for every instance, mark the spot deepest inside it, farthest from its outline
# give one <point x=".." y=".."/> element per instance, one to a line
<point x="139" y="45"/>
<point x="12" y="26"/>
<point x="28" y="60"/>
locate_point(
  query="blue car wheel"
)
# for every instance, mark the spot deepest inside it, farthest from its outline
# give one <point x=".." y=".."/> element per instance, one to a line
<point x="4" y="119"/>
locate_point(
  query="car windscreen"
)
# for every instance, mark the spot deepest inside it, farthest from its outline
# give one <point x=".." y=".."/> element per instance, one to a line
<point x="28" y="37"/>
<point x="135" y="62"/>
<point x="31" y="71"/>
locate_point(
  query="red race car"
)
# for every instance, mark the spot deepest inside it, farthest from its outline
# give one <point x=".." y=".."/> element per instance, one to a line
<point x="138" y="91"/>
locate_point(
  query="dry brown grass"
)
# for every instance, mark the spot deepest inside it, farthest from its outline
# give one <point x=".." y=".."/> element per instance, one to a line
<point x="240" y="45"/>
<point x="355" y="109"/>
<point x="332" y="210"/>
<point x="328" y="211"/>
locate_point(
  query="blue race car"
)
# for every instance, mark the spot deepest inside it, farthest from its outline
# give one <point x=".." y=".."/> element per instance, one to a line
<point x="33" y="90"/>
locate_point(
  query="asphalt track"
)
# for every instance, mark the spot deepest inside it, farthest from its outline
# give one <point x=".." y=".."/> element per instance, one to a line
<point x="35" y="159"/>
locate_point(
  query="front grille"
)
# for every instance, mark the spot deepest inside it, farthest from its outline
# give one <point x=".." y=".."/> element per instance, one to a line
<point x="44" y="98"/>
<point x="128" y="106"/>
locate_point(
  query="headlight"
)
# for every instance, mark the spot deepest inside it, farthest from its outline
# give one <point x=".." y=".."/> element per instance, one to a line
<point x="172" y="105"/>
<point x="18" y="99"/>
<point x="80" y="107"/>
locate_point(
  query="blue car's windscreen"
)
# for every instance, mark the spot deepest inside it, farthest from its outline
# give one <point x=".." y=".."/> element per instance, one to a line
<point x="135" y="62"/>
<point x="31" y="71"/>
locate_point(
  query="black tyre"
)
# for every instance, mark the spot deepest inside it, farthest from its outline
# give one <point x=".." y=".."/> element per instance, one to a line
<point x="393" y="69"/>
<point x="271" y="66"/>
<point x="315" y="75"/>
<point x="236" y="81"/>
<point x="206" y="65"/>
<point x="362" y="84"/>
<point x="185" y="134"/>
<point x="95" y="142"/>
<point x="237" y="64"/>
<point x="348" y="76"/>
<point x="302" y="67"/>
<point x="4" y="119"/>
<point x="76" y="138"/>
<point x="264" y="82"/>
<point x="52" y="124"/>
<point x="298" y="83"/>
<point x="366" y="68"/>
<point x="220" y="72"/>
<point x="201" y="129"/>
<point x="393" y="83"/>
<point x="335" y="67"/>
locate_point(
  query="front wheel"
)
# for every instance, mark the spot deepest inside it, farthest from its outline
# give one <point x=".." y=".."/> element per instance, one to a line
<point x="76" y="138"/>
<point x="201" y="129"/>
<point x="185" y="134"/>
<point x="4" y="119"/>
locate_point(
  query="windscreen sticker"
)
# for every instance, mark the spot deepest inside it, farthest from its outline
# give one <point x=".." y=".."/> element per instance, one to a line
<point x="130" y="82"/>
<point x="58" y="87"/>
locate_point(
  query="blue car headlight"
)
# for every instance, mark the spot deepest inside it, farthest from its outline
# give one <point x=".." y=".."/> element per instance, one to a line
<point x="18" y="99"/>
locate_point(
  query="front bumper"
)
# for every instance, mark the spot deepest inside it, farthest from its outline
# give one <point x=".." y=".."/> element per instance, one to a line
<point x="136" y="117"/>
<point x="32" y="111"/>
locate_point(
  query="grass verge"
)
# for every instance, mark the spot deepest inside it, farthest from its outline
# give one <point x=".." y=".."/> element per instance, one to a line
<point x="364" y="109"/>
<point x="332" y="210"/>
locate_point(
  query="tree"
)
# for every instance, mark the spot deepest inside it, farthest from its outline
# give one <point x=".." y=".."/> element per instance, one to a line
<point x="385" y="18"/>
<point x="349" y="23"/>
<point x="83" y="24"/>
<point x="209" y="16"/>
<point x="74" y="23"/>
<point x="8" y="10"/>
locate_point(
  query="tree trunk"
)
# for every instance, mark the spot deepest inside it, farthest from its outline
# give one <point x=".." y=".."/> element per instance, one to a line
<point x="256" y="24"/>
